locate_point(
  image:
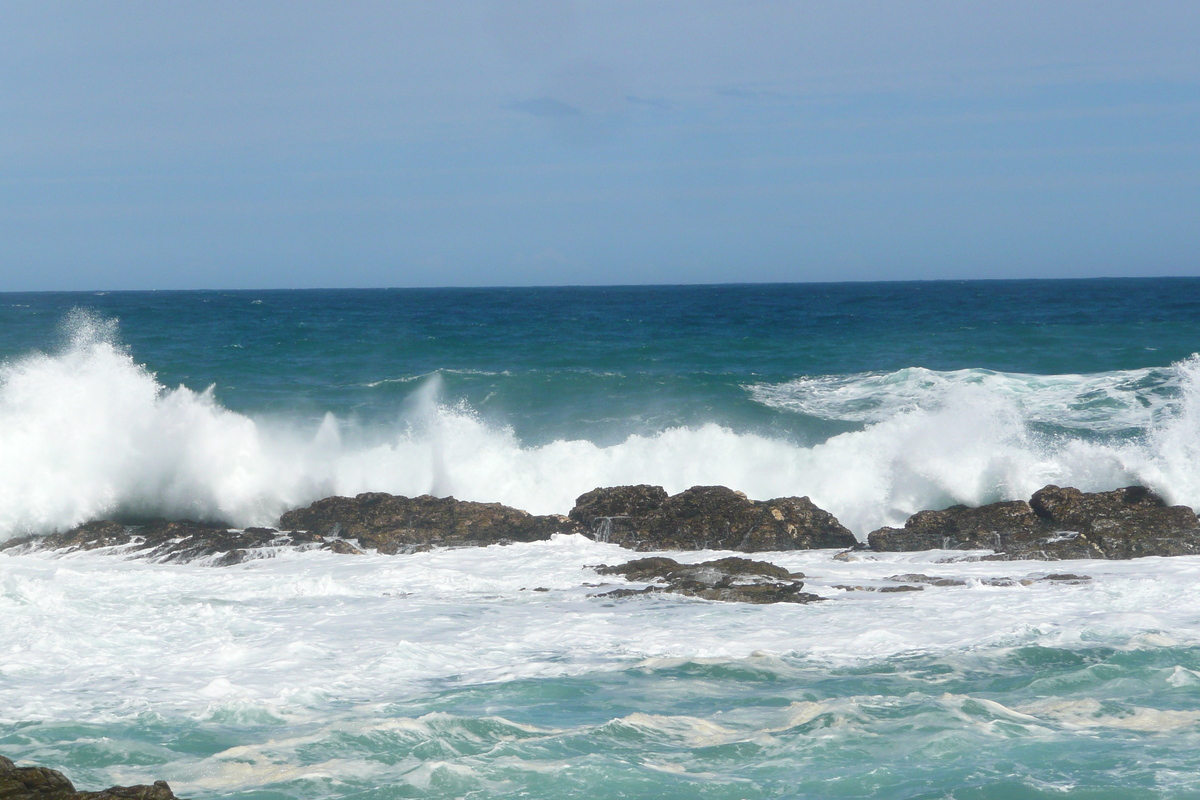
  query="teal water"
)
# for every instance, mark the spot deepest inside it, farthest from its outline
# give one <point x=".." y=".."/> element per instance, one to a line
<point x="1120" y="724"/>
<point x="600" y="362"/>
<point x="441" y="675"/>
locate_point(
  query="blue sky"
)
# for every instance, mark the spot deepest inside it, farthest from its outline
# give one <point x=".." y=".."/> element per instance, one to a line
<point x="294" y="144"/>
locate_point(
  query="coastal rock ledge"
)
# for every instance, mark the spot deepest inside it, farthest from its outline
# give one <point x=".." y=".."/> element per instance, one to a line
<point x="706" y="518"/>
<point x="1057" y="523"/>
<point x="396" y="524"/>
<point x="42" y="783"/>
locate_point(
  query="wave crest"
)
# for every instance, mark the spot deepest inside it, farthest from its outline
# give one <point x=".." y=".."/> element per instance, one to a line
<point x="87" y="432"/>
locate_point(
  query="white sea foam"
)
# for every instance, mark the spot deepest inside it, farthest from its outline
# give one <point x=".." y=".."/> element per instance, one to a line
<point x="276" y="641"/>
<point x="301" y="655"/>
<point x="1105" y="402"/>
<point x="87" y="432"/>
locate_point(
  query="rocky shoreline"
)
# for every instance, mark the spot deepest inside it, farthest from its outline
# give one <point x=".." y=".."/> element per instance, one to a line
<point x="43" y="783"/>
<point x="1055" y="524"/>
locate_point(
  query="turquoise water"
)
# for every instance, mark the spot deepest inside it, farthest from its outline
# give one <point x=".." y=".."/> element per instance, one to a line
<point x="308" y="675"/>
<point x="1119" y="724"/>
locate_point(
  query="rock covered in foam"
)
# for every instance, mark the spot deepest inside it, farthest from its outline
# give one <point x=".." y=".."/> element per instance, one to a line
<point x="732" y="580"/>
<point x="42" y="783"/>
<point x="168" y="541"/>
<point x="706" y="518"/>
<point x="1057" y="523"/>
<point x="393" y="523"/>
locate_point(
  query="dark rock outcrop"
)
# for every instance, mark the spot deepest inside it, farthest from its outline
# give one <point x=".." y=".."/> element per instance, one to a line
<point x="168" y="541"/>
<point x="41" y="783"/>
<point x="733" y="580"/>
<point x="394" y="524"/>
<point x="706" y="518"/>
<point x="1057" y="523"/>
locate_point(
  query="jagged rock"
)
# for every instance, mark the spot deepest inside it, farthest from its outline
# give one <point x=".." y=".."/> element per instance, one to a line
<point x="706" y="518"/>
<point x="393" y="524"/>
<point x="42" y="783"/>
<point x="957" y="528"/>
<point x="342" y="547"/>
<point x="1057" y="523"/>
<point x="160" y="790"/>
<point x="167" y="541"/>
<point x="33" y="783"/>
<point x="733" y="579"/>
<point x="617" y="501"/>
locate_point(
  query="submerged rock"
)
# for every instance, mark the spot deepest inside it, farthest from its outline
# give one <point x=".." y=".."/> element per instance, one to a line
<point x="394" y="524"/>
<point x="733" y="579"/>
<point x="706" y="518"/>
<point x="1057" y="523"/>
<point x="42" y="783"/>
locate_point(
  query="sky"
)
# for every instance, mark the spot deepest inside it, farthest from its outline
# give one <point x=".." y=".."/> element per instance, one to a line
<point x="183" y="145"/>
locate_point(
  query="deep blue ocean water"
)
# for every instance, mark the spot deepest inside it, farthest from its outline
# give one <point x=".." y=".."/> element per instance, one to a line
<point x="310" y="675"/>
<point x="603" y="362"/>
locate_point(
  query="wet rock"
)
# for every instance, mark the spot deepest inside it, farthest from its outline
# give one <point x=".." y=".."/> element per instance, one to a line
<point x="706" y="518"/>
<point x="33" y="783"/>
<point x="1057" y="523"/>
<point x="342" y="547"/>
<point x="160" y="790"/>
<point x="174" y="541"/>
<point x="617" y="502"/>
<point x="733" y="579"/>
<point x="1066" y="577"/>
<point x="928" y="580"/>
<point x="957" y="528"/>
<point x="41" y="783"/>
<point x="394" y="524"/>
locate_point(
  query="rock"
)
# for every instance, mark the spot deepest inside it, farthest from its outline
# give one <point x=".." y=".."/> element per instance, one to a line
<point x="1057" y="523"/>
<point x="1066" y="577"/>
<point x="342" y="547"/>
<point x="957" y="528"/>
<point x="34" y="783"/>
<point x="159" y="791"/>
<point x="733" y="579"/>
<point x="167" y="541"/>
<point x="706" y="518"/>
<point x="41" y="783"/>
<point x="926" y="579"/>
<point x="393" y="524"/>
<point x="617" y="501"/>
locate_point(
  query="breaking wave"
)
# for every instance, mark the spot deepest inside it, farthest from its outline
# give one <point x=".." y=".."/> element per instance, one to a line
<point x="1106" y="402"/>
<point x="87" y="432"/>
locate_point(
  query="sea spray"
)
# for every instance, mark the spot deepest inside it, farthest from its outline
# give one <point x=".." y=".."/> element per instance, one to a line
<point x="445" y="674"/>
<point x="88" y="432"/>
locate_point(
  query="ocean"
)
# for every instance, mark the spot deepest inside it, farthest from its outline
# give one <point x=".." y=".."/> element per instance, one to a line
<point x="444" y="674"/>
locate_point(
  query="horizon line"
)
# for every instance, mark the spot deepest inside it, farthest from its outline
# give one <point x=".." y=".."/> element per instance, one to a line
<point x="726" y="284"/>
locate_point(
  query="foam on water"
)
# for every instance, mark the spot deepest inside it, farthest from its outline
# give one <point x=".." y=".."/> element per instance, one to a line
<point x="318" y="675"/>
<point x="274" y="640"/>
<point x="87" y="432"/>
<point x="1107" y="402"/>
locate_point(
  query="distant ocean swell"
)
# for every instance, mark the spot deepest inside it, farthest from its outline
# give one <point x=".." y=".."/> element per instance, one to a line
<point x="88" y="432"/>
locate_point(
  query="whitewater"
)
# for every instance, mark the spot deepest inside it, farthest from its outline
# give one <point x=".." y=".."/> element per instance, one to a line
<point x="88" y="432"/>
<point x="499" y="671"/>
